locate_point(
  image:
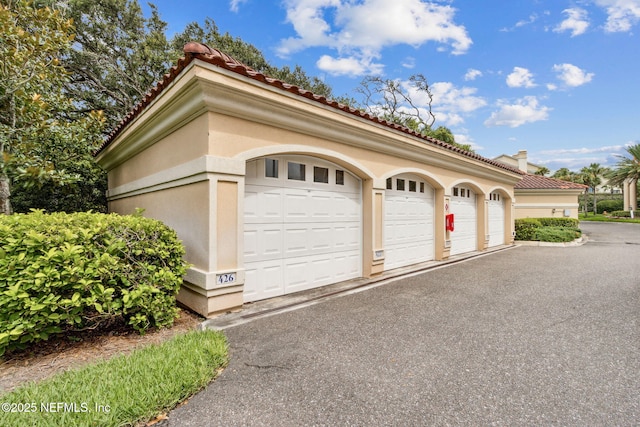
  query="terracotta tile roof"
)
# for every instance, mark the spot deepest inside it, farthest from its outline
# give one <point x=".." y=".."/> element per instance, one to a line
<point x="215" y="57"/>
<point x="538" y="182"/>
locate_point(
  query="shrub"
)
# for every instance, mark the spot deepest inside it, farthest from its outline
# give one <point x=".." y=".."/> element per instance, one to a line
<point x="526" y="228"/>
<point x="65" y="273"/>
<point x="547" y="229"/>
<point x="559" y="222"/>
<point x="557" y="234"/>
<point x="622" y="214"/>
<point x="609" y="205"/>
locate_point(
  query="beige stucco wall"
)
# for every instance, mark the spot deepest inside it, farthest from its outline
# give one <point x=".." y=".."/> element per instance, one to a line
<point x="185" y="209"/>
<point x="183" y="160"/>
<point x="546" y="203"/>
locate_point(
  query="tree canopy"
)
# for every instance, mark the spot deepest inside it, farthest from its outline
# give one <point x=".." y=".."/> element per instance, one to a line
<point x="627" y="168"/>
<point x="36" y="136"/>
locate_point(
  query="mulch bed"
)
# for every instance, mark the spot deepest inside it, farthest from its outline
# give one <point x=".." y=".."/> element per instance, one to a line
<point x="58" y="355"/>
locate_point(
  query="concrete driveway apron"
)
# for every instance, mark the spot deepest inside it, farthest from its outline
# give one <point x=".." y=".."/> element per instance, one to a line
<point x="528" y="336"/>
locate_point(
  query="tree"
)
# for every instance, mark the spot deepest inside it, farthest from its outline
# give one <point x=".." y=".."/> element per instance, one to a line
<point x="543" y="171"/>
<point x="394" y="101"/>
<point x="627" y="168"/>
<point x="591" y="176"/>
<point x="565" y="174"/>
<point x="32" y="104"/>
<point x="391" y="101"/>
<point x="247" y="54"/>
<point x="117" y="56"/>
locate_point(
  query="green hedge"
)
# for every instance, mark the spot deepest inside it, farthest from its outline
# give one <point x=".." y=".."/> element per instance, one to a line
<point x="559" y="222"/>
<point x="603" y="206"/>
<point x="547" y="229"/>
<point x="66" y="273"/>
<point x="621" y="214"/>
<point x="526" y="228"/>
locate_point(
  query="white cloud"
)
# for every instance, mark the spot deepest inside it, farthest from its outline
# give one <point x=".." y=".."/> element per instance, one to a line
<point x="348" y="66"/>
<point x="360" y="29"/>
<point x="472" y="74"/>
<point x="577" y="158"/>
<point x="571" y="75"/>
<point x="234" y="5"/>
<point x="464" y="138"/>
<point x="520" y="77"/>
<point x="524" y="22"/>
<point x="584" y="150"/>
<point x="409" y="62"/>
<point x="577" y="22"/>
<point x="525" y="110"/>
<point x="622" y="14"/>
<point x="447" y="96"/>
<point x="451" y="103"/>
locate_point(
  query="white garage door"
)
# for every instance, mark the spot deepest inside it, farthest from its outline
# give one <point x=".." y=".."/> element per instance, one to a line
<point x="463" y="206"/>
<point x="496" y="220"/>
<point x="302" y="226"/>
<point x="408" y="221"/>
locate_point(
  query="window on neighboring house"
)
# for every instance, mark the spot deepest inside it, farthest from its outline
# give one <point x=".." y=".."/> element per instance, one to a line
<point x="271" y="168"/>
<point x="296" y="171"/>
<point x="389" y="184"/>
<point x="412" y="186"/>
<point x="400" y="184"/>
<point x="320" y="174"/>
<point x="422" y="187"/>
<point x="339" y="177"/>
<point x="456" y="191"/>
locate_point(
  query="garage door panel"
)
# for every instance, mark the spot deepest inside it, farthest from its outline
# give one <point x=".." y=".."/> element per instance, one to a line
<point x="346" y="206"/>
<point x="296" y="205"/>
<point x="296" y="241"/>
<point x="319" y="270"/>
<point x="262" y="204"/>
<point x="264" y="279"/>
<point x="346" y="237"/>
<point x="262" y="242"/>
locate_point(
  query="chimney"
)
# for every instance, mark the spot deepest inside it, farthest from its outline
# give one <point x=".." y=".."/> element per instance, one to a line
<point x="521" y="157"/>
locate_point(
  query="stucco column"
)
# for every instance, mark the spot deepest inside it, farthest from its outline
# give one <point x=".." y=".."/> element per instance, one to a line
<point x="442" y="236"/>
<point x="218" y="286"/>
<point x="626" y="198"/>
<point x="633" y="195"/>
<point x="373" y="223"/>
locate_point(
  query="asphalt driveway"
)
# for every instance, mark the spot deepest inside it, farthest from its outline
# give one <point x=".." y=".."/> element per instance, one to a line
<point x="525" y="336"/>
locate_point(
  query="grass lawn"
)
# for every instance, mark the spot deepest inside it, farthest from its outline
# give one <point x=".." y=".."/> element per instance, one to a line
<point x="603" y="218"/>
<point x="121" y="391"/>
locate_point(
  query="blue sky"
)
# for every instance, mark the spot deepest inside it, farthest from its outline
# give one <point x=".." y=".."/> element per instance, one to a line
<point x="558" y="78"/>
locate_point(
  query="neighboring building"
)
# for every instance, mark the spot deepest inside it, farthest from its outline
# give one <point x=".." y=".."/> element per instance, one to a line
<point x="519" y="161"/>
<point x="537" y="196"/>
<point x="541" y="197"/>
<point x="274" y="190"/>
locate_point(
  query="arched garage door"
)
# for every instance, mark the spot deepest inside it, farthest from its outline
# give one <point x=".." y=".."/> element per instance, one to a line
<point x="408" y="221"/>
<point x="463" y="206"/>
<point x="496" y="219"/>
<point x="302" y="225"/>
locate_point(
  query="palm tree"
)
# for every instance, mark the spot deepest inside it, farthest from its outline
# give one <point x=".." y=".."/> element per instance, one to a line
<point x="627" y="169"/>
<point x="591" y="177"/>
<point x="565" y="174"/>
<point x="543" y="171"/>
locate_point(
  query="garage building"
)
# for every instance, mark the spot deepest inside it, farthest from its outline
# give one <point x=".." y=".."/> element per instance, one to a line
<point x="274" y="190"/>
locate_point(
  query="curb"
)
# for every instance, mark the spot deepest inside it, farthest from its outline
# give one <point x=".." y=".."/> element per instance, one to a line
<point x="578" y="242"/>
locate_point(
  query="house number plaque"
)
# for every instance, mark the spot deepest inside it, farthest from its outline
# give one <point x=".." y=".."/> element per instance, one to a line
<point x="226" y="278"/>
